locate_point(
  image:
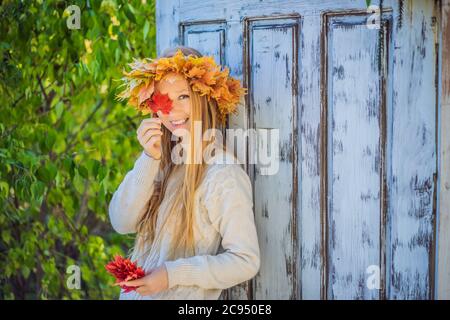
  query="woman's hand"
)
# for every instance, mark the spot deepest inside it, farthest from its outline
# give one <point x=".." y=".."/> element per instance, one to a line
<point x="149" y="136"/>
<point x="157" y="280"/>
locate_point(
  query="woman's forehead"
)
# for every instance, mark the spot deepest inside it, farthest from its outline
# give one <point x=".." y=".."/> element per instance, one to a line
<point x="171" y="81"/>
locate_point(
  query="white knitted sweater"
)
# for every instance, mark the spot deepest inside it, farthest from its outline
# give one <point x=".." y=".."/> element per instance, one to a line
<point x="227" y="249"/>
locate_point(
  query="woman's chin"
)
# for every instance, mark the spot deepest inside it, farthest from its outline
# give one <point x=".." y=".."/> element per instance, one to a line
<point x="180" y="130"/>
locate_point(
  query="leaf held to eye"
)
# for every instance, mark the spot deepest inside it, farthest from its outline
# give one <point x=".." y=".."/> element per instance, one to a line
<point x="158" y="102"/>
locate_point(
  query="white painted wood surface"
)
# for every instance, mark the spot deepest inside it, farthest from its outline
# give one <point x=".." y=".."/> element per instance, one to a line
<point x="354" y="161"/>
<point x="272" y="48"/>
<point x="443" y="283"/>
<point x="413" y="154"/>
<point x="329" y="214"/>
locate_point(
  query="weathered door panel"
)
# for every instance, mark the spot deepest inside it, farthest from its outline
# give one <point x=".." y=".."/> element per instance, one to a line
<point x="353" y="122"/>
<point x="273" y="45"/>
<point x="413" y="155"/>
<point x="356" y="109"/>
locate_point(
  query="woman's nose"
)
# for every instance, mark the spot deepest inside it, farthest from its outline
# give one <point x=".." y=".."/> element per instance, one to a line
<point x="176" y="109"/>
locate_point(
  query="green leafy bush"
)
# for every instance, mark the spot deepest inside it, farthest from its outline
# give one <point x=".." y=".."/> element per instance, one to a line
<point x="65" y="142"/>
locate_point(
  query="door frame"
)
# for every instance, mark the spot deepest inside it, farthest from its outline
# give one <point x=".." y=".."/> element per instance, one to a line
<point x="443" y="256"/>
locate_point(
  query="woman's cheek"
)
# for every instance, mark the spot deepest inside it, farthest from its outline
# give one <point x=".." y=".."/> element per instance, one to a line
<point x="187" y="106"/>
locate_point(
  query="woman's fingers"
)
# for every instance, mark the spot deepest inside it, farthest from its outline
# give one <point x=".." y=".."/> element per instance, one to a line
<point x="149" y="134"/>
<point x="149" y="120"/>
<point x="147" y="126"/>
<point x="152" y="142"/>
<point x="133" y="283"/>
<point x="143" y="291"/>
<point x="148" y="123"/>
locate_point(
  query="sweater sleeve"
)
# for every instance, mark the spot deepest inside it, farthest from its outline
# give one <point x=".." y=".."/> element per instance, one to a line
<point x="228" y="200"/>
<point x="131" y="198"/>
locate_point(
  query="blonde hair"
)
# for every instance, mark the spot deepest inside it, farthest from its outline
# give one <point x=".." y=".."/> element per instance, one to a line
<point x="183" y="240"/>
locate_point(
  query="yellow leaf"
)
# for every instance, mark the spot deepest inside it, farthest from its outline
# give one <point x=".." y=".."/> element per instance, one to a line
<point x="87" y="45"/>
<point x="114" y="21"/>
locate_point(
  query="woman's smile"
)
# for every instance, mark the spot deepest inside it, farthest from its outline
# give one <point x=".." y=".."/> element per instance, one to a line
<point x="178" y="123"/>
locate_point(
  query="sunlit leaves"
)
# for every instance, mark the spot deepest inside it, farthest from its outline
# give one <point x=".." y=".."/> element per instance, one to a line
<point x="46" y="172"/>
<point x="129" y="12"/>
<point x="61" y="156"/>
<point x="146" y="29"/>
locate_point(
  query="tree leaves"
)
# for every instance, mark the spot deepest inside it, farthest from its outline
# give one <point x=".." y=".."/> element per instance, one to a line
<point x="69" y="166"/>
<point x="83" y="171"/>
<point x="129" y="12"/>
<point x="59" y="160"/>
<point x="146" y="29"/>
<point x="93" y="166"/>
<point x="46" y="173"/>
<point x="37" y="191"/>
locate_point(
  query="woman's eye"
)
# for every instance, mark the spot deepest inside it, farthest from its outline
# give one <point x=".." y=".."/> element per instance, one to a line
<point x="183" y="95"/>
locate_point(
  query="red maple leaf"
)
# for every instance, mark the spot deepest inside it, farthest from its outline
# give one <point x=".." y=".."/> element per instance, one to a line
<point x="159" y="101"/>
<point x="124" y="270"/>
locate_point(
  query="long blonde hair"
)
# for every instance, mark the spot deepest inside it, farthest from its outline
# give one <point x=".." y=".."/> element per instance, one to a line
<point x="184" y="238"/>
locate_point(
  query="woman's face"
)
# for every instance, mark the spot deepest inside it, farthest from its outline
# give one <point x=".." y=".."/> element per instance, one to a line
<point x="176" y="86"/>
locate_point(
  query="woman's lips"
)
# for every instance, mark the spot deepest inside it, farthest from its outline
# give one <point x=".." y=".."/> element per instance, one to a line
<point x="179" y="123"/>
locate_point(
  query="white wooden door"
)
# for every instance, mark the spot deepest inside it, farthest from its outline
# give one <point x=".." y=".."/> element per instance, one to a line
<point x="357" y="113"/>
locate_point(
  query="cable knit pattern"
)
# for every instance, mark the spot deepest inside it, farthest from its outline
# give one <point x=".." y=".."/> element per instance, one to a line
<point x="223" y="217"/>
<point x="130" y="200"/>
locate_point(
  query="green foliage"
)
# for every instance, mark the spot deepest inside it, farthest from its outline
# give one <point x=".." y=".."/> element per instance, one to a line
<point x="65" y="142"/>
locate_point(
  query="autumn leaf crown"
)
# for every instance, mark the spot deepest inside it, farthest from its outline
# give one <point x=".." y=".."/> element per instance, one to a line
<point x="203" y="75"/>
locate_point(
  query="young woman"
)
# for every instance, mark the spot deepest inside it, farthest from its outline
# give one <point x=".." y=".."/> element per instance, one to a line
<point x="183" y="212"/>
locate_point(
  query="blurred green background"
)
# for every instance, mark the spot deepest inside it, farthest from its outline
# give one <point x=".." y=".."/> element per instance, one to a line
<point x="66" y="143"/>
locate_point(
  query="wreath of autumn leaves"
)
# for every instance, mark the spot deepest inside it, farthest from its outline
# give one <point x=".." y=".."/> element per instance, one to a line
<point x="202" y="73"/>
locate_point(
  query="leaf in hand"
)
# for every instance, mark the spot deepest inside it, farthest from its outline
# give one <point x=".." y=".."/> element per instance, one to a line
<point x="124" y="270"/>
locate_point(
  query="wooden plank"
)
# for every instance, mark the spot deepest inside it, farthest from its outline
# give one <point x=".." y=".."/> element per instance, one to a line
<point x="167" y="19"/>
<point x="443" y="281"/>
<point x="309" y="268"/>
<point x="234" y="48"/>
<point x="233" y="10"/>
<point x="411" y="231"/>
<point x="273" y="45"/>
<point x="354" y="147"/>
